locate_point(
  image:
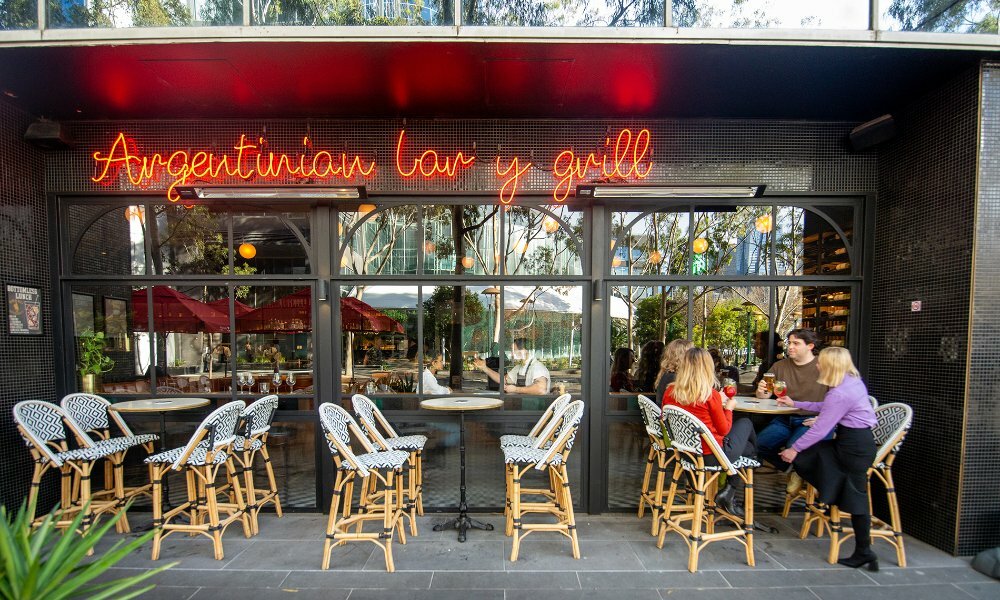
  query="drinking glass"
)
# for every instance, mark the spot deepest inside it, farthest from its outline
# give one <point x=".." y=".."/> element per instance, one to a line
<point x="276" y="379"/>
<point x="241" y="381"/>
<point x="729" y="387"/>
<point x="290" y="380"/>
<point x="265" y="387"/>
<point x="769" y="380"/>
<point x="249" y="382"/>
<point x="780" y="389"/>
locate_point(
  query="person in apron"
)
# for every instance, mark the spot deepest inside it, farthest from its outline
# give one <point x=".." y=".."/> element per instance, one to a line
<point x="838" y="467"/>
<point x="528" y="376"/>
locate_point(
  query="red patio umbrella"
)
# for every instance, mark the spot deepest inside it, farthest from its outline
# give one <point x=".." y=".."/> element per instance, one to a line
<point x="177" y="312"/>
<point x="222" y="305"/>
<point x="293" y="313"/>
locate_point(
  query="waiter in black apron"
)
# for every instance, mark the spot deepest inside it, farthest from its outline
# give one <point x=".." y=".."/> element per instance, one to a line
<point x="528" y="375"/>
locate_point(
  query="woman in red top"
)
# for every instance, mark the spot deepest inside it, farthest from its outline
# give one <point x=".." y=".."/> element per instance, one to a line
<point x="693" y="391"/>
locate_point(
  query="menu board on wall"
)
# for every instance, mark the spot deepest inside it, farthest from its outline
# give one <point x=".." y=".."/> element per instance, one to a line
<point x="24" y="310"/>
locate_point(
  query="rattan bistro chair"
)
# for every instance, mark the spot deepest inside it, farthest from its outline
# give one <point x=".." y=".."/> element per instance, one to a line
<point x="659" y="454"/>
<point x="41" y="426"/>
<point x="557" y="501"/>
<point x="372" y="468"/>
<point x="687" y="433"/>
<point x="201" y="458"/>
<point x="89" y="418"/>
<point x="894" y="422"/>
<point x="248" y="444"/>
<point x="384" y="437"/>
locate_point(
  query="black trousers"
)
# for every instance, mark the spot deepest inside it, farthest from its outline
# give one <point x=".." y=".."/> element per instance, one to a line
<point x="838" y="468"/>
<point x="740" y="441"/>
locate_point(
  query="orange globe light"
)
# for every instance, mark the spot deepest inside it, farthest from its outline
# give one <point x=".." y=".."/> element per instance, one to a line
<point x="655" y="257"/>
<point x="700" y="245"/>
<point x="550" y="225"/>
<point x="429" y="247"/>
<point x="247" y="250"/>
<point x="134" y="212"/>
<point x="364" y="209"/>
<point x="467" y="262"/>
<point x="616" y="262"/>
<point x="763" y="224"/>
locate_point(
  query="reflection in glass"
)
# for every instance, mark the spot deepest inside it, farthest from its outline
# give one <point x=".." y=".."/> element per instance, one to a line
<point x="732" y="241"/>
<point x="540" y="243"/>
<point x="379" y="344"/>
<point x="766" y="14"/>
<point x="18" y="15"/>
<point x="380" y="241"/>
<point x="958" y="16"/>
<point x="113" y="244"/>
<point x="824" y="250"/>
<point x="478" y="243"/>
<point x="365" y="12"/>
<point x="591" y="13"/>
<point x="189" y="240"/>
<point x="725" y="320"/>
<point x="826" y="310"/>
<point x="158" y="13"/>
<point x="274" y="243"/>
<point x="652" y="245"/>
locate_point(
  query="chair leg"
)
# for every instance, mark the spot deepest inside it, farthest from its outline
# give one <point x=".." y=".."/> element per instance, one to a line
<point x="668" y="507"/>
<point x="748" y="515"/>
<point x="694" y="539"/>
<point x="331" y="522"/>
<point x="118" y="476"/>
<point x="515" y="501"/>
<point x="411" y="492"/>
<point x="420" y="482"/>
<point x="657" y="507"/>
<point x="508" y="501"/>
<point x="567" y="499"/>
<point x="271" y="482"/>
<point x="212" y="501"/>
<point x="645" y="485"/>
<point x="894" y="519"/>
<point x="157" y="509"/>
<point x="252" y="508"/>
<point x="835" y="529"/>
<point x="387" y="524"/>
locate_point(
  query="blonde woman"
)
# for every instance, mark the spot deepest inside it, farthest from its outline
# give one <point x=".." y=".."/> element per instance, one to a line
<point x="672" y="355"/>
<point x="838" y="468"/>
<point x="693" y="391"/>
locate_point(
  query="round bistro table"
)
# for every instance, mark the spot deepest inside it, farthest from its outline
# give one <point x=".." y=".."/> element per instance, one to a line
<point x="462" y="405"/>
<point x="764" y="406"/>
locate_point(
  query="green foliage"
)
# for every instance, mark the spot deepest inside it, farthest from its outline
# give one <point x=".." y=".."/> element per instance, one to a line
<point x="973" y="16"/>
<point x="649" y="320"/>
<point x="18" y="14"/>
<point x="242" y="291"/>
<point x="404" y="383"/>
<point x="92" y="359"/>
<point x="119" y="13"/>
<point x="439" y="313"/>
<point x="43" y="563"/>
<point x="726" y="325"/>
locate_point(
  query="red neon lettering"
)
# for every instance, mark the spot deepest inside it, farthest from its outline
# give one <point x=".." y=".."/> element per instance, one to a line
<point x="248" y="163"/>
<point x="509" y="188"/>
<point x="630" y="157"/>
<point x="623" y="147"/>
<point x="566" y="167"/>
<point x="428" y="164"/>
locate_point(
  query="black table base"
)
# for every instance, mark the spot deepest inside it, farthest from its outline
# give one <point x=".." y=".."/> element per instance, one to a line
<point x="462" y="522"/>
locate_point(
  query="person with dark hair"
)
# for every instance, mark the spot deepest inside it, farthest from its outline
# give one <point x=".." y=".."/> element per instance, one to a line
<point x="528" y="376"/>
<point x="649" y="366"/>
<point x="801" y="376"/>
<point x="766" y="360"/>
<point x="621" y="367"/>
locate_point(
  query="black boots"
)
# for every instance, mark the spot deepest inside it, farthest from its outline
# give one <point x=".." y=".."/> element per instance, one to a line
<point x="726" y="499"/>
<point x="861" y="558"/>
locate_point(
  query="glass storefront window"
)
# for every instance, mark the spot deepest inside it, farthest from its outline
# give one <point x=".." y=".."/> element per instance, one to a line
<point x="543" y="242"/>
<point x="959" y="16"/>
<point x="114" y="242"/>
<point x="591" y="13"/>
<point x="189" y="241"/>
<point x="18" y="15"/>
<point x="771" y="14"/>
<point x="158" y="13"/>
<point x="379" y="240"/>
<point x="365" y="12"/>
<point x="270" y="244"/>
<point x="827" y="310"/>
<point x="651" y="244"/>
<point x="734" y="241"/>
<point x="110" y="310"/>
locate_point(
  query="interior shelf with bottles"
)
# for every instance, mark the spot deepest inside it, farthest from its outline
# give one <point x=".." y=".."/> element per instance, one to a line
<point x="827" y="311"/>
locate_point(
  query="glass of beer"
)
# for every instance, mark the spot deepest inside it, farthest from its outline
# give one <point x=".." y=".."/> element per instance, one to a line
<point x="769" y="381"/>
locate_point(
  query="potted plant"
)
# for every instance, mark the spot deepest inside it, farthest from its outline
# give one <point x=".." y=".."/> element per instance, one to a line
<point x="41" y="562"/>
<point x="92" y="360"/>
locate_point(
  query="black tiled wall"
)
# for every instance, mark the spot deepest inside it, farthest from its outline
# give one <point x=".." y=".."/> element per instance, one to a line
<point x="979" y="503"/>
<point x="26" y="366"/>
<point x="923" y="251"/>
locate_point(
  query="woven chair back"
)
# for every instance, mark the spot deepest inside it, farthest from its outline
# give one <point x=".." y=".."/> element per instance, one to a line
<point x="687" y="434"/>
<point x="894" y="421"/>
<point x="261" y="413"/>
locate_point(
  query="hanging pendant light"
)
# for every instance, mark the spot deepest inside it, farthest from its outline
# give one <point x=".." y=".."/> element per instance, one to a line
<point x="700" y="245"/>
<point x="247" y="250"/>
<point x="468" y="261"/>
<point x="763" y="224"/>
<point x="655" y="257"/>
<point x="550" y="224"/>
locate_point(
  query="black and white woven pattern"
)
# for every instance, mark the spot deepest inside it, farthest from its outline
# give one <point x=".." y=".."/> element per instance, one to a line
<point x="85" y="454"/>
<point x="222" y="421"/>
<point x="366" y="410"/>
<point x="120" y="444"/>
<point x="892" y="419"/>
<point x="410" y="443"/>
<point x="571" y="417"/>
<point x="549" y="420"/>
<point x="43" y="420"/>
<point x="526" y="455"/>
<point x="88" y="411"/>
<point x="240" y="442"/>
<point x="197" y="458"/>
<point x="743" y="462"/>
<point x="685" y="429"/>
<point x="650" y="416"/>
<point x="261" y="413"/>
<point x="391" y="459"/>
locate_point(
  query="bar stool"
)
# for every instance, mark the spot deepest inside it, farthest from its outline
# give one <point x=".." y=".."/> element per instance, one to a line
<point x="41" y="426"/>
<point x="201" y="458"/>
<point x="658" y="454"/>
<point x="385" y="505"/>
<point x="894" y="422"/>
<point x="88" y="418"/>
<point x="372" y="420"/>
<point x="558" y="501"/>
<point x="687" y="434"/>
<point x="246" y="446"/>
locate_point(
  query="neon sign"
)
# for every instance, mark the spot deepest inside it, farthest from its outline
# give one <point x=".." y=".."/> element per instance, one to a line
<point x="626" y="156"/>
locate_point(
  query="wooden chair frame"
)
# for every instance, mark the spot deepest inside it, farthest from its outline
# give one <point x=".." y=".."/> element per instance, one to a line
<point x="557" y="499"/>
<point x="660" y="456"/>
<point x="383" y="502"/>
<point x="881" y="469"/>
<point x="700" y="510"/>
<point x="256" y="429"/>
<point x="202" y="506"/>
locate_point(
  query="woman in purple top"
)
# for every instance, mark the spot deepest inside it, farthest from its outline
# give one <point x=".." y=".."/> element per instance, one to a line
<point x="838" y="468"/>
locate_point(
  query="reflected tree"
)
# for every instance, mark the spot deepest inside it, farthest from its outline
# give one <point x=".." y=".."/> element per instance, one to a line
<point x="328" y="12"/>
<point x="119" y="13"/>
<point x="18" y="14"/>
<point x="971" y="16"/>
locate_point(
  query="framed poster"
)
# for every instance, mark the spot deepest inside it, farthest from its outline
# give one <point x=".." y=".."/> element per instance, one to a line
<point x="83" y="313"/>
<point x="24" y="310"/>
<point x="115" y="321"/>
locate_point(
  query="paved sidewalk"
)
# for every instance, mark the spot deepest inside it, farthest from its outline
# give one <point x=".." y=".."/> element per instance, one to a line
<point x="619" y="561"/>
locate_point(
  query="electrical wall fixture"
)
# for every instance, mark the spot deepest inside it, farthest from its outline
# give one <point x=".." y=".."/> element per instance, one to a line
<point x="312" y="192"/>
<point x="670" y="191"/>
<point x="323" y="291"/>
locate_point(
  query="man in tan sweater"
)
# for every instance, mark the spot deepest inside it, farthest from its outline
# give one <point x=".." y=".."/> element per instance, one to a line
<point x="800" y="373"/>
